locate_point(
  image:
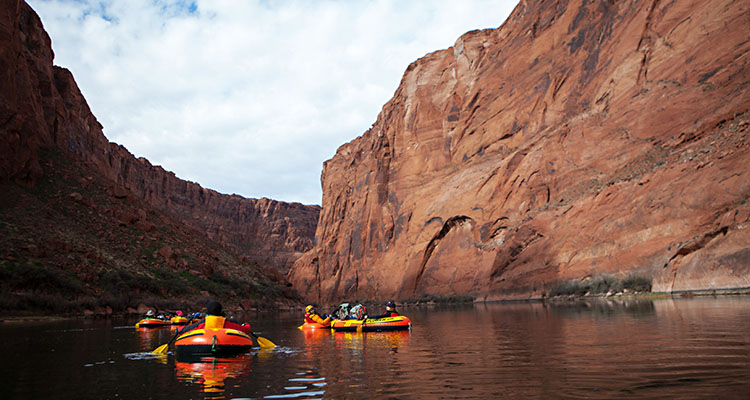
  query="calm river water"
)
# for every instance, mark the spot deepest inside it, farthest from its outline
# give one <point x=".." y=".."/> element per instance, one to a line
<point x="697" y="348"/>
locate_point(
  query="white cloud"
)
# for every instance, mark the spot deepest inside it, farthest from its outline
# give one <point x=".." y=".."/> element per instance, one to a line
<point x="248" y="97"/>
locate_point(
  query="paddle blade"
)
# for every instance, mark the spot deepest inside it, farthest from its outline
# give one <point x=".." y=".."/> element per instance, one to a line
<point x="161" y="349"/>
<point x="359" y="328"/>
<point x="265" y="343"/>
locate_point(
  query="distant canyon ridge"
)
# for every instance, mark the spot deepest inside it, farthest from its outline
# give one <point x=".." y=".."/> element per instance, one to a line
<point x="42" y="107"/>
<point x="579" y="140"/>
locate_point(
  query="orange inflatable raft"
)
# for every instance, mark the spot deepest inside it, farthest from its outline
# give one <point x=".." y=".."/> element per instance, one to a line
<point x="399" y="323"/>
<point x="213" y="340"/>
<point x="314" y="325"/>
<point x="152" y="323"/>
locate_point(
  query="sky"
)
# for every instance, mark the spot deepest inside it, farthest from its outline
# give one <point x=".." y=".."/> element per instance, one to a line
<point x="248" y="97"/>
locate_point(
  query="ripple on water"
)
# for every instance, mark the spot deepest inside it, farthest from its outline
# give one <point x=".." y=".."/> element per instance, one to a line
<point x="148" y="355"/>
<point x="313" y="383"/>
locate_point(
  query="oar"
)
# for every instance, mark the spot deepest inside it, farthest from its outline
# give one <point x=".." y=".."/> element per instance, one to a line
<point x="163" y="348"/>
<point x="359" y="328"/>
<point x="263" y="342"/>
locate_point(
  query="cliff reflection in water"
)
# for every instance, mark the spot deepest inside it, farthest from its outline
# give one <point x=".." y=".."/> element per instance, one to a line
<point x="600" y="348"/>
<point x="609" y="348"/>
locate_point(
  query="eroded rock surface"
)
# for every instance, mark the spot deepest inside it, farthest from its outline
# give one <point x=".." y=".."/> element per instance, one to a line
<point x="41" y="105"/>
<point x="578" y="139"/>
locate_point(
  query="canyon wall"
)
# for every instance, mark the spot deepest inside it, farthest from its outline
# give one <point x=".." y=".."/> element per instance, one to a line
<point x="579" y="139"/>
<point x="41" y="106"/>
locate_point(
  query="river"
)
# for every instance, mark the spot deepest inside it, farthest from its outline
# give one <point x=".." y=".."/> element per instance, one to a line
<point x="690" y="348"/>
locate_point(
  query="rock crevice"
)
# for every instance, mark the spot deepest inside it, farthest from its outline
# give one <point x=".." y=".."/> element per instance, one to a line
<point x="579" y="138"/>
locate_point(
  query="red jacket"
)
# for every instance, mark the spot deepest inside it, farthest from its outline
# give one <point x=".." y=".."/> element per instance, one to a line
<point x="387" y="314"/>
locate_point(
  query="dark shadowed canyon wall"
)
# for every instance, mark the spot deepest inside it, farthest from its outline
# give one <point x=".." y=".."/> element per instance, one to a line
<point x="41" y="106"/>
<point x="579" y="139"/>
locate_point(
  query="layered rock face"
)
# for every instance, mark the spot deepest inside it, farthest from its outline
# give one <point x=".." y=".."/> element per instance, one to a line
<point x="578" y="139"/>
<point x="41" y="105"/>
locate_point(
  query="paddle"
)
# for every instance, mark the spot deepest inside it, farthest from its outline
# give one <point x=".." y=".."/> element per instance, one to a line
<point x="359" y="328"/>
<point x="163" y="348"/>
<point x="263" y="342"/>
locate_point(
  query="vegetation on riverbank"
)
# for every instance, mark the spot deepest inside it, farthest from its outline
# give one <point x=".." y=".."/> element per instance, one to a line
<point x="72" y="243"/>
<point x="439" y="299"/>
<point x="602" y="285"/>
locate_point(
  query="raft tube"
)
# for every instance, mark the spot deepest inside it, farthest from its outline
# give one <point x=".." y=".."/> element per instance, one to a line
<point x="179" y="320"/>
<point x="152" y="323"/>
<point x="314" y="325"/>
<point x="222" y="342"/>
<point x="399" y="323"/>
<point x="213" y="340"/>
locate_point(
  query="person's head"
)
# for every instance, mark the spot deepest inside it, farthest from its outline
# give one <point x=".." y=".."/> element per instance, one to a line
<point x="179" y="313"/>
<point x="390" y="306"/>
<point x="213" y="308"/>
<point x="309" y="309"/>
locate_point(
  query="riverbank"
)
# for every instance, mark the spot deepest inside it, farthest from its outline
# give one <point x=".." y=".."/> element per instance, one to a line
<point x="230" y="307"/>
<point x="372" y="307"/>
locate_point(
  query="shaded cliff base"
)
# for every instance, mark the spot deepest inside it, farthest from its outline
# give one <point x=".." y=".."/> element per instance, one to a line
<point x="623" y="295"/>
<point x="74" y="243"/>
<point x="601" y="287"/>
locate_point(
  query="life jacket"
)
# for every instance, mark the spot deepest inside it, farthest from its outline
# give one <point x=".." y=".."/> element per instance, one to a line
<point x="315" y="318"/>
<point x="214" y="322"/>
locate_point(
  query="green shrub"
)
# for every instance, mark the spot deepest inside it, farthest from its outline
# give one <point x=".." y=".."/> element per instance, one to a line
<point x="601" y="285"/>
<point x="567" y="288"/>
<point x="637" y="283"/>
<point x="441" y="299"/>
<point x="118" y="281"/>
<point x="38" y="277"/>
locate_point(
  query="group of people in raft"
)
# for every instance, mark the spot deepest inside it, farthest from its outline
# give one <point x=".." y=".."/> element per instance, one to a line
<point x="172" y="316"/>
<point x="312" y="316"/>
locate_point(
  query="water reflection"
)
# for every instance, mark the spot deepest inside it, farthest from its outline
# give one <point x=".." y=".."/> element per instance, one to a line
<point x="307" y="384"/>
<point x="211" y="372"/>
<point x="150" y="338"/>
<point x="603" y="349"/>
<point x="359" y="342"/>
<point x="684" y="348"/>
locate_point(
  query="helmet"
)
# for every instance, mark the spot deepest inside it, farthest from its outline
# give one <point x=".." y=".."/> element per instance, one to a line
<point x="179" y="313"/>
<point x="150" y="313"/>
<point x="213" y="308"/>
<point x="309" y="308"/>
<point x="390" y="304"/>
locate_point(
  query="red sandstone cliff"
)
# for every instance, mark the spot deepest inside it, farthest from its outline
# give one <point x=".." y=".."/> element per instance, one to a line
<point x="578" y="139"/>
<point x="41" y="105"/>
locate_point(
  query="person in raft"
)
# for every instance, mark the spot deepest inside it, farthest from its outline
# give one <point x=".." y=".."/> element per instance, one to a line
<point x="311" y="316"/>
<point x="390" y="311"/>
<point x="213" y="308"/>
